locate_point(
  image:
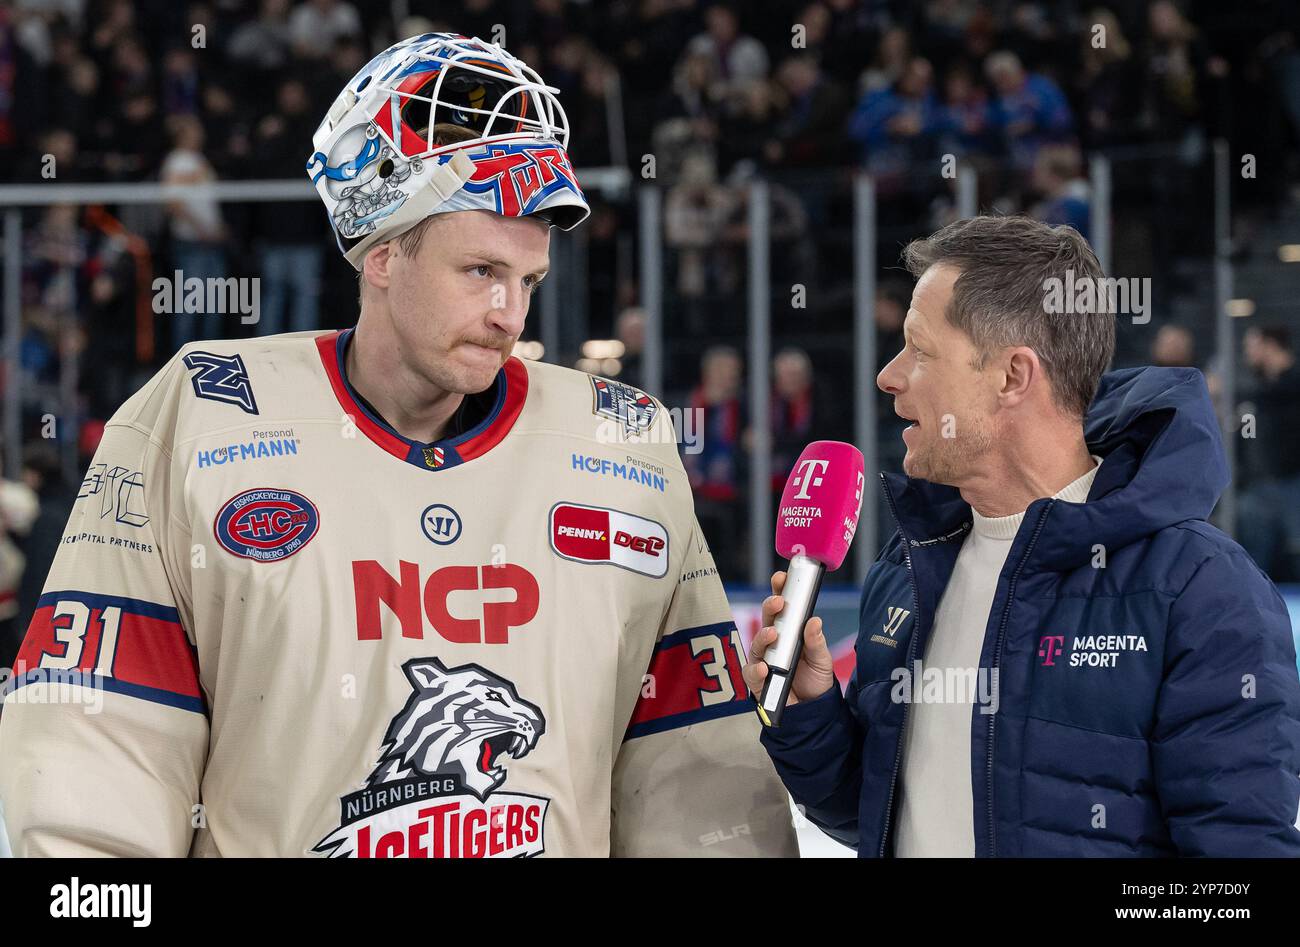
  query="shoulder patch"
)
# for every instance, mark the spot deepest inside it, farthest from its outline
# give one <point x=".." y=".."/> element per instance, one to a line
<point x="631" y="407"/>
<point x="222" y="378"/>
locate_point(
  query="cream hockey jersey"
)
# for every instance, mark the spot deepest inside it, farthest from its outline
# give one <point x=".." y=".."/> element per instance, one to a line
<point x="277" y="628"/>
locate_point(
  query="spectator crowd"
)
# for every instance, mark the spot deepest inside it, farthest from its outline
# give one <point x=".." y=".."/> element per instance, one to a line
<point x="803" y="95"/>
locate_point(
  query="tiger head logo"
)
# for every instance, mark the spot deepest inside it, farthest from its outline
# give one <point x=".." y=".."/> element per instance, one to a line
<point x="464" y="721"/>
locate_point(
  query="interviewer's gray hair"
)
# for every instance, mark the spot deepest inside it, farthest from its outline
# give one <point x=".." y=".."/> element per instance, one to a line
<point x="999" y="299"/>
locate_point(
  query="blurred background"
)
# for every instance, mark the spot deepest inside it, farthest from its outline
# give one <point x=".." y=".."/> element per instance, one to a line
<point x="754" y="170"/>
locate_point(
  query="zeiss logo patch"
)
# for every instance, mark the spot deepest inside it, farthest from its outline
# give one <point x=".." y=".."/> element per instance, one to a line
<point x="222" y="378"/>
<point x="631" y="407"/>
<point x="266" y="525"/>
<point x="596" y="535"/>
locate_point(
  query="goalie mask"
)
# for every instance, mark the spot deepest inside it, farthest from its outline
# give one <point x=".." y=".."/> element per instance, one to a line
<point x="380" y="170"/>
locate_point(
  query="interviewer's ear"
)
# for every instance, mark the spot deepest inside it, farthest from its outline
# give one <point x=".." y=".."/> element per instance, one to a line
<point x="1021" y="371"/>
<point x="376" y="264"/>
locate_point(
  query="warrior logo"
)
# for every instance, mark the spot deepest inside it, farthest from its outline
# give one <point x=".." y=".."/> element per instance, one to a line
<point x="631" y="407"/>
<point x="433" y="792"/>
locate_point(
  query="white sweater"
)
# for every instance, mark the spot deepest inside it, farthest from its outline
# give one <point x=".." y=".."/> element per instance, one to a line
<point x="935" y="814"/>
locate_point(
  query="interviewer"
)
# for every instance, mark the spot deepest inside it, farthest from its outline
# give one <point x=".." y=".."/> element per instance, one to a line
<point x="1057" y="654"/>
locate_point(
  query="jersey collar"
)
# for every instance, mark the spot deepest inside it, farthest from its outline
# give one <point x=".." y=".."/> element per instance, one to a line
<point x="511" y="386"/>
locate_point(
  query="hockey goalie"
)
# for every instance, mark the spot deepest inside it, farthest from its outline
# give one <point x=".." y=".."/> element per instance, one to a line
<point x="393" y="592"/>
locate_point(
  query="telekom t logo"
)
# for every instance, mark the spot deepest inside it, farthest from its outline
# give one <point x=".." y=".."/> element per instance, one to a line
<point x="1049" y="647"/>
<point x="809" y="478"/>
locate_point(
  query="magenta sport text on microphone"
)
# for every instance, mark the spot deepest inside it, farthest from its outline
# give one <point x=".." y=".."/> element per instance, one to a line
<point x="816" y="520"/>
<point x="819" y="507"/>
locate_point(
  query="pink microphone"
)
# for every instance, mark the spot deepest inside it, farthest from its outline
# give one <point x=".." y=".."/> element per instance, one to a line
<point x="814" y="527"/>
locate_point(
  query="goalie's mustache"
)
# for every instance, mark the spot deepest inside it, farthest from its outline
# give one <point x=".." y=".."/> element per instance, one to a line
<point x="505" y="344"/>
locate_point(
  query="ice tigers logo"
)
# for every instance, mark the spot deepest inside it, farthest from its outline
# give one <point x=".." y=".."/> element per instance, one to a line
<point x="463" y="720"/>
<point x="435" y="792"/>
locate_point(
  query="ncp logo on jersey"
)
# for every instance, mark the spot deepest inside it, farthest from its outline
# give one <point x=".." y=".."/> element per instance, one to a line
<point x="810" y="475"/>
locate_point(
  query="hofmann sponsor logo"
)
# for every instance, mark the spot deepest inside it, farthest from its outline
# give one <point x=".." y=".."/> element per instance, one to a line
<point x="263" y="444"/>
<point x="632" y="469"/>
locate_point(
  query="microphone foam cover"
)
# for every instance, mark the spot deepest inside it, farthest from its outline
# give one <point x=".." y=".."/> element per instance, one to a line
<point x="820" y="504"/>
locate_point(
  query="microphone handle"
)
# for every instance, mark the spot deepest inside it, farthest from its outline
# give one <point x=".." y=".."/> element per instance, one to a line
<point x="803" y="581"/>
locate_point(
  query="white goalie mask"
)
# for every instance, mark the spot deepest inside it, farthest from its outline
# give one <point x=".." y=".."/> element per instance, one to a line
<point x="378" y="167"/>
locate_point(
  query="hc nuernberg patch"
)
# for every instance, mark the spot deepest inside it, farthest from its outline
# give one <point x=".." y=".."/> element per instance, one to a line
<point x="266" y="525"/>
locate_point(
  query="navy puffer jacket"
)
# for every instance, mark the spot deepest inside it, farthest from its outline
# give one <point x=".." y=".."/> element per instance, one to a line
<point x="1187" y="743"/>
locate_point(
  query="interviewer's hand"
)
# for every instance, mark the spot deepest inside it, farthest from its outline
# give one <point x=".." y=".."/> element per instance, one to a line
<point x="815" y="674"/>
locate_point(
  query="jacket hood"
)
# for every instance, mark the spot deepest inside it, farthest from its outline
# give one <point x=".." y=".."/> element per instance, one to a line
<point x="1163" y="463"/>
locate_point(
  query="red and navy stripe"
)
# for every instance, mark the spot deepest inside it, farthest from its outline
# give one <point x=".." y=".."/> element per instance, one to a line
<point x="680" y="678"/>
<point x="153" y="660"/>
<point x="512" y="390"/>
